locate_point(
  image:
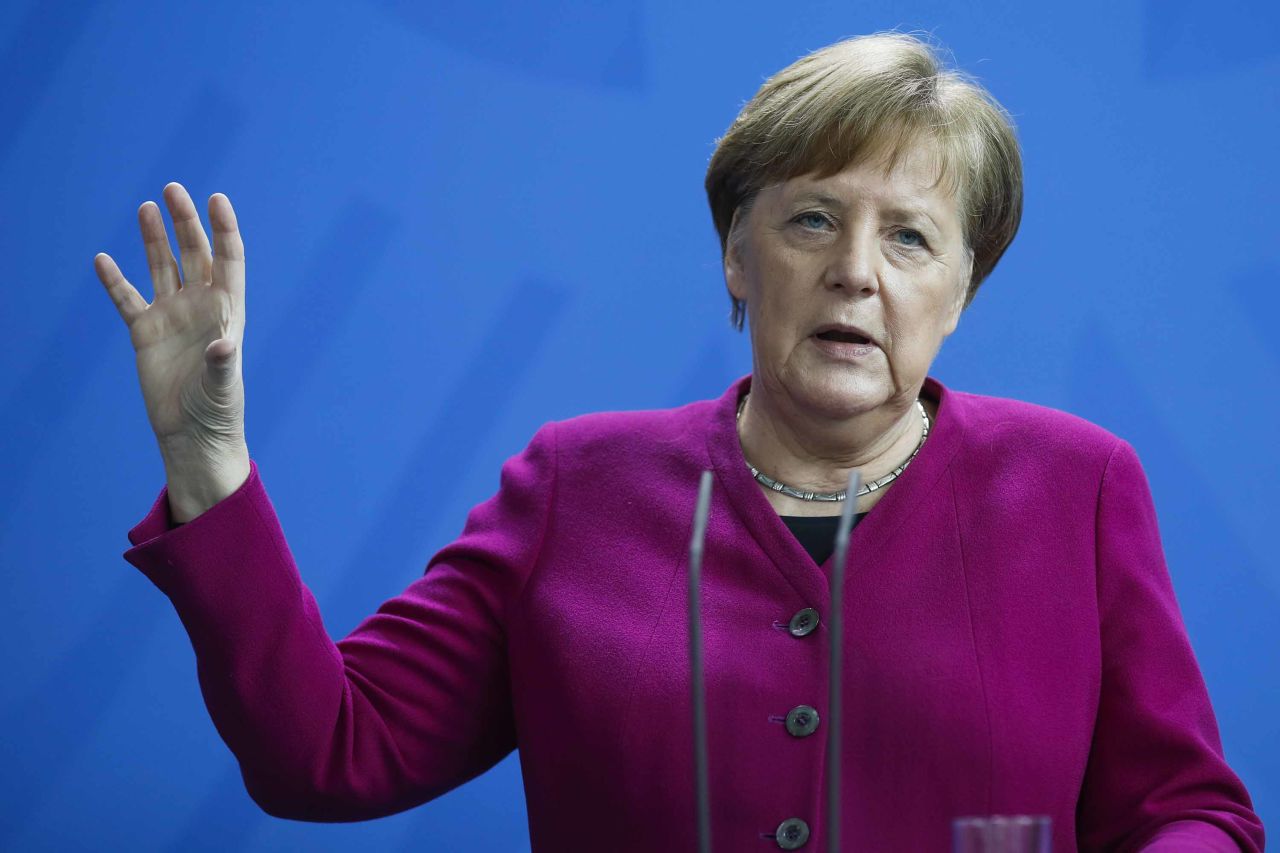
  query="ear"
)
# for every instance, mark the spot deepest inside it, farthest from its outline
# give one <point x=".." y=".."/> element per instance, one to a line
<point x="734" y="278"/>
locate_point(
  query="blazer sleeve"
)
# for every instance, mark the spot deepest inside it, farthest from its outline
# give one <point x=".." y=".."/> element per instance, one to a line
<point x="409" y="705"/>
<point x="1156" y="778"/>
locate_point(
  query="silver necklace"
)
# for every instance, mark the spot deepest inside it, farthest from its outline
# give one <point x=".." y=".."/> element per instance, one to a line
<point x="840" y="495"/>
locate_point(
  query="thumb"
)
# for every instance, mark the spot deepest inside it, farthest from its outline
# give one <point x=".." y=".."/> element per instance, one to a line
<point x="220" y="363"/>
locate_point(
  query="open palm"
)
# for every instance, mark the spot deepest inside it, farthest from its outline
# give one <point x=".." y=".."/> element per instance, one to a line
<point x="188" y="341"/>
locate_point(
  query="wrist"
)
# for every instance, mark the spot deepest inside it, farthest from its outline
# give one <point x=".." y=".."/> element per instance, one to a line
<point x="197" y="483"/>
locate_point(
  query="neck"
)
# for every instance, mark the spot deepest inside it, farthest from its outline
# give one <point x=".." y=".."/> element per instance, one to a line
<point x="816" y="453"/>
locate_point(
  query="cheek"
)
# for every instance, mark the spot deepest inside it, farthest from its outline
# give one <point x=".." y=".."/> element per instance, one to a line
<point x="781" y="304"/>
<point x="916" y="328"/>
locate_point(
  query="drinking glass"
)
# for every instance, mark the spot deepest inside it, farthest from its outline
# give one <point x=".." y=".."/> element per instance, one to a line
<point x="1002" y="834"/>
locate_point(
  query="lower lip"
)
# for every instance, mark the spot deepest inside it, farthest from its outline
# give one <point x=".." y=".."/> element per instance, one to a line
<point x="843" y="350"/>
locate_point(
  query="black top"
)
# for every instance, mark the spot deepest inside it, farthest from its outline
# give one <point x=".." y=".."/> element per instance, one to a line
<point x="818" y="533"/>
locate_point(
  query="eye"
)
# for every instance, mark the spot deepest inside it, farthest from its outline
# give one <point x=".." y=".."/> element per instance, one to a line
<point x="812" y="216"/>
<point x="914" y="235"/>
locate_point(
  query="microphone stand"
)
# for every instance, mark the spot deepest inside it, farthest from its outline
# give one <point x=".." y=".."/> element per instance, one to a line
<point x="835" y="633"/>
<point x="695" y="648"/>
<point x="835" y="630"/>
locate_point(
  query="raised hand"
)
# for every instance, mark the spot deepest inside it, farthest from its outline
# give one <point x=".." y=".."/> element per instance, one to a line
<point x="188" y="341"/>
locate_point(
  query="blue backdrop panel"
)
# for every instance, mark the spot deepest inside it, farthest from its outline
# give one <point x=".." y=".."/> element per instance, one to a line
<point x="463" y="220"/>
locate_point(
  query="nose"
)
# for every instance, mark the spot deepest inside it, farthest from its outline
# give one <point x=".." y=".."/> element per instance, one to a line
<point x="853" y="266"/>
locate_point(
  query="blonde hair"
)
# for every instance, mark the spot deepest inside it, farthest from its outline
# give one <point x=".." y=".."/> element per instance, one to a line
<point x="871" y="97"/>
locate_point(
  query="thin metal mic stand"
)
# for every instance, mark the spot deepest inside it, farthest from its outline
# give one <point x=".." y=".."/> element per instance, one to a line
<point x="835" y="631"/>
<point x="695" y="650"/>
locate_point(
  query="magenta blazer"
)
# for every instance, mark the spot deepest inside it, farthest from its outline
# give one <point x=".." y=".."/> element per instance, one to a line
<point x="1012" y="646"/>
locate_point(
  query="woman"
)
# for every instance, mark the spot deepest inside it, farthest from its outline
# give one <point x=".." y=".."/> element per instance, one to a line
<point x="1012" y="640"/>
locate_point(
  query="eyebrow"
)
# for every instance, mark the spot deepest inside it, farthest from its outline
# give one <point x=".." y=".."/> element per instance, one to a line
<point x="899" y="211"/>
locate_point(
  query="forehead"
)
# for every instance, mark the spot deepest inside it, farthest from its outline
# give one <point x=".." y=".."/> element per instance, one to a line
<point x="913" y="184"/>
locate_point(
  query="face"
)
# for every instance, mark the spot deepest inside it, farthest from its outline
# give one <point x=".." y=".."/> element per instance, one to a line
<point x="884" y="253"/>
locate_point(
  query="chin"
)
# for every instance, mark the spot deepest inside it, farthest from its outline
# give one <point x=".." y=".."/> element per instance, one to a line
<point x="845" y="399"/>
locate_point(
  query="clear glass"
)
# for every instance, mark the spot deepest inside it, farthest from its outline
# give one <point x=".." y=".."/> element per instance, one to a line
<point x="1002" y="834"/>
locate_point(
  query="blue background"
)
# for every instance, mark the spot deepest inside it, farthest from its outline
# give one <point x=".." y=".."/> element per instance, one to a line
<point x="463" y="220"/>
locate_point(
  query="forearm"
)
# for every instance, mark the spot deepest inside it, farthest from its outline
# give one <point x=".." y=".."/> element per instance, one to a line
<point x="309" y="744"/>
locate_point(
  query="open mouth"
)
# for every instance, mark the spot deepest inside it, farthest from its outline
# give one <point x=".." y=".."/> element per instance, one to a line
<point x="843" y="337"/>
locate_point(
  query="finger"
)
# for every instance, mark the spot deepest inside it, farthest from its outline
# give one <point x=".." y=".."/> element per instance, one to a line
<point x="228" y="248"/>
<point x="164" y="269"/>
<point x="125" y="296"/>
<point x="193" y="243"/>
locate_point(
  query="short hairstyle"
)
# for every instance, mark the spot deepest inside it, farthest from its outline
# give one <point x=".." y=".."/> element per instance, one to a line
<point x="867" y="97"/>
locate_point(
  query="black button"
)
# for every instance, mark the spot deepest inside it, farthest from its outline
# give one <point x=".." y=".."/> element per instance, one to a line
<point x="792" y="833"/>
<point x="802" y="720"/>
<point x="803" y="623"/>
